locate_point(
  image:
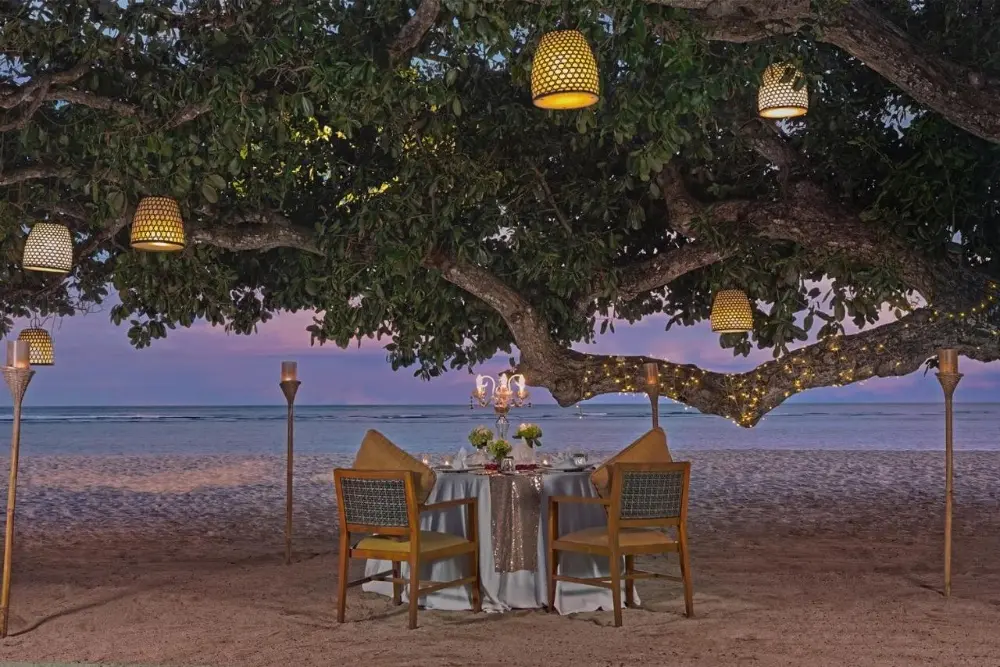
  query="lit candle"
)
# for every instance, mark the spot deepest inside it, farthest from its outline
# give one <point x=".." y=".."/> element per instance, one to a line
<point x="17" y="354"/>
<point x="652" y="373"/>
<point x="948" y="361"/>
<point x="289" y="371"/>
<point x="425" y="459"/>
<point x="546" y="460"/>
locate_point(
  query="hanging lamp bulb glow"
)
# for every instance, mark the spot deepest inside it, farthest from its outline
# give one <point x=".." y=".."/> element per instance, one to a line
<point x="731" y="312"/>
<point x="783" y="92"/>
<point x="48" y="248"/>
<point x="564" y="72"/>
<point x="158" y="226"/>
<point x="40" y="349"/>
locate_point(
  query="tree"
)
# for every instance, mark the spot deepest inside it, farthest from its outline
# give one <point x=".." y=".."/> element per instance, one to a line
<point x="381" y="163"/>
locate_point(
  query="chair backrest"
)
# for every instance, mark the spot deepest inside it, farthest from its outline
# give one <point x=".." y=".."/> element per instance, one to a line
<point x="376" y="501"/>
<point x="650" y="494"/>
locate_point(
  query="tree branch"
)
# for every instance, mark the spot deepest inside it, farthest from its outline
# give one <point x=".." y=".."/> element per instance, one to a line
<point x="890" y="350"/>
<point x="552" y="201"/>
<point x="960" y="94"/>
<point x="529" y="327"/>
<point x="32" y="109"/>
<point x="414" y="30"/>
<point x="93" y="101"/>
<point x="264" y="230"/>
<point x="963" y="95"/>
<point x="32" y="173"/>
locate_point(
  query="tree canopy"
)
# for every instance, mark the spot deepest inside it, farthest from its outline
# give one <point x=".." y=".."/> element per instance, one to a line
<point x="381" y="163"/>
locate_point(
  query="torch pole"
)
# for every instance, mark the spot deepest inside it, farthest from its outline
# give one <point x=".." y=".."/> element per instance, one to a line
<point x="289" y="388"/>
<point x="17" y="380"/>
<point x="949" y="381"/>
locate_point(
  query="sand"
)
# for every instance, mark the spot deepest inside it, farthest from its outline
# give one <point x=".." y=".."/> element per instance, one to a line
<point x="800" y="558"/>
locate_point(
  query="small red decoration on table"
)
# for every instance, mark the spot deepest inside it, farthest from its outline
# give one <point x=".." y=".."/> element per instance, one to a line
<point x="519" y="466"/>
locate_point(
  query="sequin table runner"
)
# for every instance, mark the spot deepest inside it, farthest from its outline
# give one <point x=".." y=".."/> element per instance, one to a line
<point x="516" y="502"/>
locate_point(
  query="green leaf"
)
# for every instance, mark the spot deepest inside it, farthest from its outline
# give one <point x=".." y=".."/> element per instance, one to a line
<point x="209" y="193"/>
<point x="116" y="200"/>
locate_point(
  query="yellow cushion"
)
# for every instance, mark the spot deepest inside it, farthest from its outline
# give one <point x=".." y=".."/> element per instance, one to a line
<point x="377" y="452"/>
<point x="627" y="537"/>
<point x="429" y="541"/>
<point x="651" y="447"/>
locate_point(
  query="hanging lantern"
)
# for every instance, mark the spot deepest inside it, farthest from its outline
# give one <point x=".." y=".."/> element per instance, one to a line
<point x="157" y="225"/>
<point x="564" y="72"/>
<point x="731" y="312"/>
<point x="783" y="93"/>
<point x="49" y="248"/>
<point x="40" y="350"/>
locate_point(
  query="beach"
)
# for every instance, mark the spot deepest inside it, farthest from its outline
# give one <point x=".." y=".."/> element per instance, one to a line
<point x="799" y="557"/>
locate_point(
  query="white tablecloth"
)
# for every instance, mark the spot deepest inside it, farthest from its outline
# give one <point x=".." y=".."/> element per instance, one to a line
<point x="523" y="589"/>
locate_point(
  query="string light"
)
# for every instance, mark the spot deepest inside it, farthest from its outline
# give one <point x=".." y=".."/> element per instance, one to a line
<point x="747" y="391"/>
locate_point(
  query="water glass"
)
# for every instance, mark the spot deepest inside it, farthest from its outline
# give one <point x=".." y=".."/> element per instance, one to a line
<point x="507" y="465"/>
<point x="580" y="459"/>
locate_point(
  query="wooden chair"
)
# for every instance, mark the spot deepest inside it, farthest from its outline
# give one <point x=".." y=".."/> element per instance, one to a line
<point x="383" y="504"/>
<point x="644" y="497"/>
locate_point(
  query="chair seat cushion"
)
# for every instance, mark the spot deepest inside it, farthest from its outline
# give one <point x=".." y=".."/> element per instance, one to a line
<point x="627" y="537"/>
<point x="650" y="447"/>
<point x="377" y="452"/>
<point x="429" y="541"/>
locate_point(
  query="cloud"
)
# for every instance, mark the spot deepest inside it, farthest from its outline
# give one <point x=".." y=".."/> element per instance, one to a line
<point x="202" y="365"/>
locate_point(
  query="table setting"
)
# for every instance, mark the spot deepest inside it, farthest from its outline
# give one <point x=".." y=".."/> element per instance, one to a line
<point x="512" y="484"/>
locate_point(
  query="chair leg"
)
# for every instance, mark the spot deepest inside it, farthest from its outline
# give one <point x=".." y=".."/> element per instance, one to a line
<point x="397" y="588"/>
<point x="414" y="589"/>
<point x="553" y="571"/>
<point x="477" y="599"/>
<point x="629" y="581"/>
<point x="616" y="586"/>
<point x="686" y="571"/>
<point x="344" y="566"/>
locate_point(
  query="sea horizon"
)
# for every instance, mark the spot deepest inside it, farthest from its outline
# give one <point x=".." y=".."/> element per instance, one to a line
<point x="443" y="429"/>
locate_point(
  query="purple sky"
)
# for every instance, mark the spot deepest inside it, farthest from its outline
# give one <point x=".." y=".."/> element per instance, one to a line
<point x="205" y="366"/>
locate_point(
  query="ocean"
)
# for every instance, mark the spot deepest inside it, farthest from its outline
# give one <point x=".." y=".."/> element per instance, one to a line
<point x="443" y="429"/>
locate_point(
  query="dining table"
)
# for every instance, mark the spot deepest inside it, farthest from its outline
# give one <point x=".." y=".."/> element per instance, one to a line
<point x="512" y="522"/>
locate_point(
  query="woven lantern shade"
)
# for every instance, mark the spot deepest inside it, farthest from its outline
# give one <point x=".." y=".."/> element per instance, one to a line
<point x="48" y="247"/>
<point x="40" y="350"/>
<point x="731" y="312"/>
<point x="777" y="97"/>
<point x="157" y="225"/>
<point x="564" y="72"/>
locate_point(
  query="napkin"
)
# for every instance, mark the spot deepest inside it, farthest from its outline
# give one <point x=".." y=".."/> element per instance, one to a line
<point x="567" y="463"/>
<point x="477" y="459"/>
<point x="459" y="463"/>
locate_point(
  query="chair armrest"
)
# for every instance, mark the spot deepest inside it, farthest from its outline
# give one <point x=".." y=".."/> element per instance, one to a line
<point x="578" y="499"/>
<point x="447" y="504"/>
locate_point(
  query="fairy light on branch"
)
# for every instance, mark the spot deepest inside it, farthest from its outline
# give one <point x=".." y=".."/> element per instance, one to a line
<point x="750" y="393"/>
